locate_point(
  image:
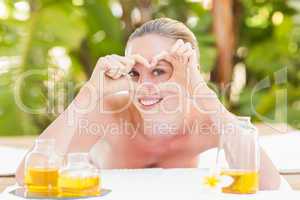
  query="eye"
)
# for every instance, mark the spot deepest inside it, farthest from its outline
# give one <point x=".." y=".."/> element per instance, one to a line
<point x="133" y="73"/>
<point x="158" y="72"/>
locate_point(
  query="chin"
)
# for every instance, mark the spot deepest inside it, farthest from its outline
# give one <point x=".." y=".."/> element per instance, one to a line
<point x="162" y="126"/>
<point x="162" y="116"/>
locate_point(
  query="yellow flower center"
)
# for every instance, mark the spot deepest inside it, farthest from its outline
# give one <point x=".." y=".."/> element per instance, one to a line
<point x="211" y="181"/>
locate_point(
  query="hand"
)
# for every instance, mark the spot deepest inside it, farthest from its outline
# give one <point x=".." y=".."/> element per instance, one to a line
<point x="206" y="109"/>
<point x="183" y="58"/>
<point x="111" y="73"/>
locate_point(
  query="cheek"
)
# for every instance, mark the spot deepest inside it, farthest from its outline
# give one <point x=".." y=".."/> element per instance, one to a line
<point x="180" y="78"/>
<point x="173" y="104"/>
<point x="175" y="98"/>
<point x="163" y="78"/>
<point x="171" y="95"/>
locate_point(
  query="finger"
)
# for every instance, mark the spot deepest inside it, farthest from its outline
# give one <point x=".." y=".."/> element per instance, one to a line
<point x="180" y="53"/>
<point x="127" y="63"/>
<point x="126" y="70"/>
<point x="189" y="45"/>
<point x="140" y="59"/>
<point x="184" y="48"/>
<point x="164" y="55"/>
<point x="102" y="64"/>
<point x="112" y="73"/>
<point x="193" y="62"/>
<point x="117" y="70"/>
<point x="116" y="65"/>
<point x="187" y="56"/>
<point x="177" y="44"/>
<point x="124" y="60"/>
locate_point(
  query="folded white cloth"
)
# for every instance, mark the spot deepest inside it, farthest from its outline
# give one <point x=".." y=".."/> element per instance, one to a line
<point x="284" y="185"/>
<point x="10" y="159"/>
<point x="284" y="151"/>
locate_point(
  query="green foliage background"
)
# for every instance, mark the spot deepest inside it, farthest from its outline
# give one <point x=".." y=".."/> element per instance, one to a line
<point x="84" y="30"/>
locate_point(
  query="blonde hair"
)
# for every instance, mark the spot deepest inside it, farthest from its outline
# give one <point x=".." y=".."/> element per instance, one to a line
<point x="169" y="28"/>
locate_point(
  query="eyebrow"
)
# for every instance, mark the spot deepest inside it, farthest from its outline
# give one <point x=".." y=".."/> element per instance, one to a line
<point x="164" y="62"/>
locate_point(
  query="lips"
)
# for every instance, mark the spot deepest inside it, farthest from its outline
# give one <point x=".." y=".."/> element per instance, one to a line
<point x="149" y="101"/>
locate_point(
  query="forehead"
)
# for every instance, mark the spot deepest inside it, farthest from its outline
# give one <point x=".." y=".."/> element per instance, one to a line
<point x="149" y="45"/>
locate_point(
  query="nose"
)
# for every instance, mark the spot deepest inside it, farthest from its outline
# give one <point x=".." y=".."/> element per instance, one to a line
<point x="147" y="85"/>
<point x="144" y="79"/>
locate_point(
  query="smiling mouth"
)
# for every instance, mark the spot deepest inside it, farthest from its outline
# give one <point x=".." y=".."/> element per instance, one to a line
<point x="149" y="101"/>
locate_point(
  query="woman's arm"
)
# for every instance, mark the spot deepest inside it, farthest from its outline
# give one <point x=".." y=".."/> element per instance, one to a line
<point x="71" y="129"/>
<point x="269" y="175"/>
<point x="74" y="129"/>
<point x="209" y="114"/>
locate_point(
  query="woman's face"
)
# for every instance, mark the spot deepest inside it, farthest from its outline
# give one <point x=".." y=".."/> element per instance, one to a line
<point x="149" y="46"/>
<point x="153" y="96"/>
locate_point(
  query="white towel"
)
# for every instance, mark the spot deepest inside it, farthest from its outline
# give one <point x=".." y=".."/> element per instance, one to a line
<point x="166" y="184"/>
<point x="10" y="159"/>
<point x="284" y="151"/>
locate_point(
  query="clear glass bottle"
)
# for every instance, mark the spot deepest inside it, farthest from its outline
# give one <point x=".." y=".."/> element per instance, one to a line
<point x="79" y="177"/>
<point x="42" y="168"/>
<point x="241" y="150"/>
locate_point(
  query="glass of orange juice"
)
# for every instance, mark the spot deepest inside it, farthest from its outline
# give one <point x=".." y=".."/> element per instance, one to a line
<point x="42" y="169"/>
<point x="238" y="158"/>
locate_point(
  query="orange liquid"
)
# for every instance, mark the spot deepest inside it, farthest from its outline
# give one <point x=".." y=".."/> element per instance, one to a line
<point x="79" y="186"/>
<point x="42" y="181"/>
<point x="244" y="182"/>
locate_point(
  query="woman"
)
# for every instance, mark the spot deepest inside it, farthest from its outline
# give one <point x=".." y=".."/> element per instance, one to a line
<point x="165" y="118"/>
